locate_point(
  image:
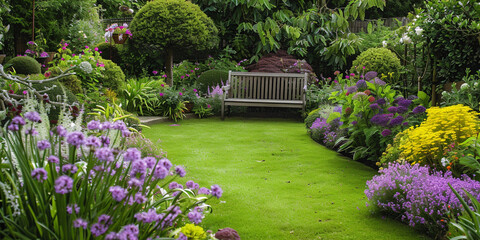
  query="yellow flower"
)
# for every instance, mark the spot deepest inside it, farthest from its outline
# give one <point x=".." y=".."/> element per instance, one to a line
<point x="193" y="232"/>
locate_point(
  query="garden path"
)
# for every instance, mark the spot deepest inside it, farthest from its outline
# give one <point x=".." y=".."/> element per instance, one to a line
<point x="277" y="182"/>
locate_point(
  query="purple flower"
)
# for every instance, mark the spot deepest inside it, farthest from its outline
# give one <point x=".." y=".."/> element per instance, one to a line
<point x="154" y="72"/>
<point x="75" y="138"/>
<point x="40" y="174"/>
<point x="180" y="171"/>
<point x="320" y="124"/>
<point x="32" y="131"/>
<point x="139" y="198"/>
<point x="53" y="159"/>
<point x="118" y="193"/>
<point x="370" y="75"/>
<point x="150" y="161"/>
<point x="63" y="184"/>
<point x="132" y="154"/>
<point x="93" y="125"/>
<point x="106" y="126"/>
<point x="195" y="217"/>
<point x="396" y="121"/>
<point x="73" y="207"/>
<point x="43" y="144"/>
<point x="204" y="190"/>
<point x="381" y="101"/>
<point x="148" y="217"/>
<point x="361" y="84"/>
<point x="181" y="236"/>
<point x="135" y="182"/>
<point x="138" y="169"/>
<point x="70" y="168"/>
<point x="104" y="154"/>
<point x="375" y="106"/>
<point x="392" y="109"/>
<point x="174" y="185"/>
<point x="381" y="119"/>
<point x="404" y="103"/>
<point x="80" y="223"/>
<point x="166" y="163"/>
<point x="160" y="172"/>
<point x="93" y="141"/>
<point x="33" y="116"/>
<point x="13" y="127"/>
<point x="105" y="140"/>
<point x="378" y="81"/>
<point x="402" y="109"/>
<point x="192" y="185"/>
<point x="105" y="219"/>
<point x="119" y="125"/>
<point x="98" y="229"/>
<point x="216" y="191"/>
<point x="18" y="120"/>
<point x="352" y="89"/>
<point x="419" y="109"/>
<point x="386" y="132"/>
<point x="61" y="131"/>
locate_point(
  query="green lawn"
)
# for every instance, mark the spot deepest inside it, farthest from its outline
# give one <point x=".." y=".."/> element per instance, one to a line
<point x="277" y="182"/>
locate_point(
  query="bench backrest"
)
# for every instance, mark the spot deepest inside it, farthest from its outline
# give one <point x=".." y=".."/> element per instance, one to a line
<point x="259" y="85"/>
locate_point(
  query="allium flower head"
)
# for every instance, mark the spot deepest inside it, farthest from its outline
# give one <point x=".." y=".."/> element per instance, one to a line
<point x="63" y="184"/>
<point x="53" y="159"/>
<point x="381" y="101"/>
<point x="216" y="191"/>
<point x="75" y="138"/>
<point x="43" y="144"/>
<point x="93" y="141"/>
<point x="33" y="116"/>
<point x="195" y="217"/>
<point x="378" y="81"/>
<point x="419" y="109"/>
<point x="61" y="131"/>
<point x="361" y="84"/>
<point x="132" y="154"/>
<point x="104" y="154"/>
<point x="93" y="125"/>
<point x="204" y="190"/>
<point x="118" y="193"/>
<point x="40" y="174"/>
<point x="180" y="171"/>
<point x="72" y="168"/>
<point x="18" y="120"/>
<point x="352" y="89"/>
<point x="160" y="172"/>
<point x="80" y="223"/>
<point x="13" y="127"/>
<point x="396" y="121"/>
<point x="370" y="75"/>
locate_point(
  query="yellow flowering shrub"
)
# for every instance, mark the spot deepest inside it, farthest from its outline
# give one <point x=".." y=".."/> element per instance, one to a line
<point x="193" y="232"/>
<point x="425" y="144"/>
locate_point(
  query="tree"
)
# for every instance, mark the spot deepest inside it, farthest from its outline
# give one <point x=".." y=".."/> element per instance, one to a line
<point x="173" y="25"/>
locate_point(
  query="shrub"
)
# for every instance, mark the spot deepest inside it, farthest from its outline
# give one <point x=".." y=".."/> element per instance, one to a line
<point x="426" y="144"/>
<point x="25" y="65"/>
<point x="468" y="94"/>
<point x="59" y="91"/>
<point x="380" y="60"/>
<point x="419" y="196"/>
<point x="113" y="76"/>
<point x="105" y="48"/>
<point x="212" y="78"/>
<point x="71" y="82"/>
<point x="325" y="130"/>
<point x="322" y="111"/>
<point x="174" y="25"/>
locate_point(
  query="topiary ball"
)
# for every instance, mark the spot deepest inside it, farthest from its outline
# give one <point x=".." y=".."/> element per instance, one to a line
<point x="71" y="82"/>
<point x="113" y="76"/>
<point x="212" y="78"/>
<point x="380" y="60"/>
<point x="25" y="65"/>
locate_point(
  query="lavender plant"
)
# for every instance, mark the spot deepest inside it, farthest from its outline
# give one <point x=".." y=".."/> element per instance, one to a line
<point x="83" y="184"/>
<point x="419" y="196"/>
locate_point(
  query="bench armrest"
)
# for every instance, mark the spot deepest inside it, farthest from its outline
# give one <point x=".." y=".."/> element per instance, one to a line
<point x="225" y="90"/>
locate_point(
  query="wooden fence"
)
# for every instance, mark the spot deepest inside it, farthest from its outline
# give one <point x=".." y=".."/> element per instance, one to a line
<point x="361" y="26"/>
<point x="119" y="21"/>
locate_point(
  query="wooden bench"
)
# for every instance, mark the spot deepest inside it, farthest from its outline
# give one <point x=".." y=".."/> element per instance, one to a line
<point x="258" y="89"/>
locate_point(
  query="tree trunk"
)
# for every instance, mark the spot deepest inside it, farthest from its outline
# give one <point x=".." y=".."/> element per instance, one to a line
<point x="434" y="82"/>
<point x="169" y="67"/>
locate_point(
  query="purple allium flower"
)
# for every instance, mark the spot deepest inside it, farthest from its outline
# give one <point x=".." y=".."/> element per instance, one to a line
<point x="354" y="123"/>
<point x="130" y="231"/>
<point x="191" y="185"/>
<point x="98" y="229"/>
<point x="13" y="127"/>
<point x="195" y="217"/>
<point x="53" y="159"/>
<point x="43" y="144"/>
<point x="63" y="184"/>
<point x="126" y="133"/>
<point x="381" y="101"/>
<point x="105" y="140"/>
<point x="374" y="106"/>
<point x="148" y="217"/>
<point x="392" y="109"/>
<point x="378" y="81"/>
<point x="166" y="163"/>
<point x="118" y="193"/>
<point x="150" y="161"/>
<point x="75" y="138"/>
<point x="338" y="109"/>
<point x="93" y="141"/>
<point x="32" y="131"/>
<point x="93" y="125"/>
<point x="106" y="126"/>
<point x="132" y="154"/>
<point x="216" y="191"/>
<point x="204" y="190"/>
<point x="352" y="89"/>
<point x="61" y="131"/>
<point x="361" y="84"/>
<point x="396" y="121"/>
<point x="120" y="125"/>
<point x="419" y="109"/>
<point x="386" y="132"/>
<point x="182" y="236"/>
<point x="320" y="124"/>
<point x="33" y="116"/>
<point x="381" y="119"/>
<point x="105" y="219"/>
<point x="80" y="223"/>
<point x="113" y="236"/>
<point x="174" y="185"/>
<point x="370" y="75"/>
<point x="73" y="207"/>
<point x="160" y="172"/>
<point x="139" y="168"/>
<point x="40" y="174"/>
<point x="139" y="198"/>
<point x="135" y="182"/>
<point x="173" y="212"/>
<point x="104" y="154"/>
<point x="180" y="171"/>
<point x="18" y="120"/>
<point x="404" y="103"/>
<point x="402" y="109"/>
<point x="70" y="168"/>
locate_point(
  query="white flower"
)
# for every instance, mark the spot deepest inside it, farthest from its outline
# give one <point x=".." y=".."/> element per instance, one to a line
<point x="464" y="86"/>
<point x="405" y="39"/>
<point x="445" y="162"/>
<point x="85" y="67"/>
<point x="475" y="84"/>
<point x="444" y="93"/>
<point x="130" y="11"/>
<point x="384" y="43"/>
<point x="418" y="31"/>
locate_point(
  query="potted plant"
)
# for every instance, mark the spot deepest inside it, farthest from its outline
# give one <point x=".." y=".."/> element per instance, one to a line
<point x="36" y="52"/>
<point x="118" y="33"/>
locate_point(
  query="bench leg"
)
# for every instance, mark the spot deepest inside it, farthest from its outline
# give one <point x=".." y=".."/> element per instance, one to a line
<point x="223" y="110"/>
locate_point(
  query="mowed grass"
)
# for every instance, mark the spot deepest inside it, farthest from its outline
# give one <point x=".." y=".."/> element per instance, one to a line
<point x="277" y="182"/>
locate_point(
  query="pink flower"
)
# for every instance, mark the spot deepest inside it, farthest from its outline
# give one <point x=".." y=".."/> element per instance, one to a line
<point x="363" y="67"/>
<point x="96" y="49"/>
<point x="352" y="74"/>
<point x="47" y="74"/>
<point x="208" y="106"/>
<point x="194" y="90"/>
<point x="188" y="75"/>
<point x="154" y="72"/>
<point x="347" y="77"/>
<point x="164" y="75"/>
<point x="182" y="77"/>
<point x="86" y="47"/>
<point x="73" y="55"/>
<point x="191" y="70"/>
<point x="163" y="85"/>
<point x="25" y="92"/>
<point x="64" y="48"/>
<point x="161" y="94"/>
<point x="180" y="93"/>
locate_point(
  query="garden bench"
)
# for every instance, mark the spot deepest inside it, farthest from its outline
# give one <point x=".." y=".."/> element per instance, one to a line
<point x="260" y="89"/>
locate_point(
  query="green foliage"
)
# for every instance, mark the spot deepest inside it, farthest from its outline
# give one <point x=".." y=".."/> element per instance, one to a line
<point x="139" y="95"/>
<point x="467" y="94"/>
<point x="112" y="112"/>
<point x="71" y="82"/>
<point x="174" y="24"/>
<point x="138" y="60"/>
<point x="212" y="78"/>
<point x="468" y="227"/>
<point x="4" y="10"/>
<point x="25" y="65"/>
<point x="380" y="60"/>
<point x="56" y="92"/>
<point x="322" y="111"/>
<point x="110" y="51"/>
<point x="113" y="77"/>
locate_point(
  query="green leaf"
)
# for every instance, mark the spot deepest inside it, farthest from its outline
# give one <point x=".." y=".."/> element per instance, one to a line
<point x="422" y="95"/>
<point x="369" y="28"/>
<point x="333" y="116"/>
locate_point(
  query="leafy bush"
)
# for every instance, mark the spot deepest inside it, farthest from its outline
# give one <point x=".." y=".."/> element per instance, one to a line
<point x="113" y="77"/>
<point x="110" y="51"/>
<point x="419" y="196"/>
<point x="380" y="60"/>
<point x="470" y="229"/>
<point x="56" y="91"/>
<point x="139" y="95"/>
<point x="322" y="111"/>
<point x="427" y="143"/>
<point x="107" y="191"/>
<point x="468" y="94"/>
<point x="327" y="132"/>
<point x="212" y="78"/>
<point x="71" y="82"/>
<point x="25" y="65"/>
